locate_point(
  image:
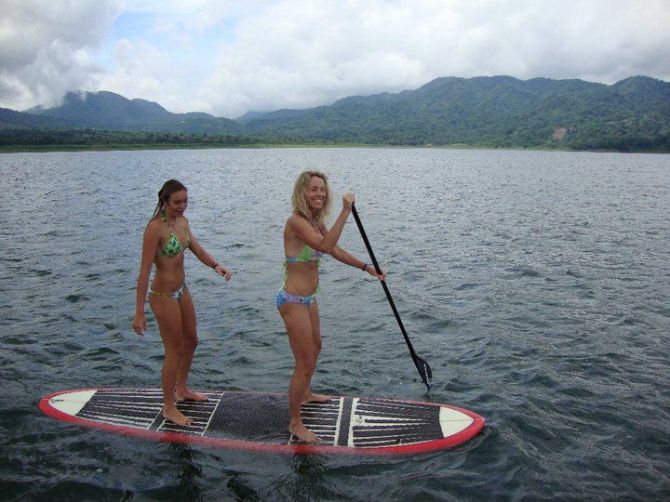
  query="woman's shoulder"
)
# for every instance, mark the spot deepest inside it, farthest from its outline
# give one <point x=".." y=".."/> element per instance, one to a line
<point x="154" y="225"/>
<point x="295" y="219"/>
<point x="154" y="229"/>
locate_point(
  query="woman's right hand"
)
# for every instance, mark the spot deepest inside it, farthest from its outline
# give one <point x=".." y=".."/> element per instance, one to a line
<point x="348" y="200"/>
<point x="140" y="324"/>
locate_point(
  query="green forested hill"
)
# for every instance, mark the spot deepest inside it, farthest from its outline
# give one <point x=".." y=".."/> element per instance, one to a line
<point x="10" y="119"/>
<point x="494" y="111"/>
<point x="107" y="110"/>
<point x="631" y="115"/>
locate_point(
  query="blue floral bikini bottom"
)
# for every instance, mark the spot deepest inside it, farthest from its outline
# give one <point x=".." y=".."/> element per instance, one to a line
<point x="284" y="297"/>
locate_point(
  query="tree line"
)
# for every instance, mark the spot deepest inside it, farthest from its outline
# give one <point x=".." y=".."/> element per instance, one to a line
<point x="91" y="138"/>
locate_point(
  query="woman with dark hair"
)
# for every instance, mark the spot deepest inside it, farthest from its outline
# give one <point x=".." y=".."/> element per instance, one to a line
<point x="166" y="238"/>
<point x="306" y="239"/>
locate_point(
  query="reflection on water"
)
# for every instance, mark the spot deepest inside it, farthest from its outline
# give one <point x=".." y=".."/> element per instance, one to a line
<point x="535" y="284"/>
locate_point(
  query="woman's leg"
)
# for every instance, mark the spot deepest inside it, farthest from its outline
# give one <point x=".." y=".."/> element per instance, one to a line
<point x="299" y="328"/>
<point x="316" y="345"/>
<point x="168" y="316"/>
<point x="190" y="341"/>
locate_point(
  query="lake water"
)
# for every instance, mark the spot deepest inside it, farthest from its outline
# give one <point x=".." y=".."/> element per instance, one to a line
<point x="536" y="284"/>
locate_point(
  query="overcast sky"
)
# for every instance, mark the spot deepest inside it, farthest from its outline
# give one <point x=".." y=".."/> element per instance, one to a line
<point x="229" y="57"/>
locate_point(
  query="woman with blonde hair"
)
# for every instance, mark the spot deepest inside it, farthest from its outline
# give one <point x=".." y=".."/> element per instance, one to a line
<point x="166" y="238"/>
<point x="306" y="239"/>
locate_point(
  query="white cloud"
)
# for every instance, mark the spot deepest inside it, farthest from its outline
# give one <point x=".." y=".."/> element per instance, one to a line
<point x="144" y="71"/>
<point x="306" y="53"/>
<point x="302" y="53"/>
<point x="45" y="48"/>
<point x="227" y="57"/>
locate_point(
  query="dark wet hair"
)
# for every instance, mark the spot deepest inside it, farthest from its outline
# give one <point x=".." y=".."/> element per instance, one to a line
<point x="168" y="188"/>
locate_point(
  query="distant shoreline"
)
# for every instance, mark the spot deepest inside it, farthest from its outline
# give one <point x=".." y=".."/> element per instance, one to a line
<point x="210" y="146"/>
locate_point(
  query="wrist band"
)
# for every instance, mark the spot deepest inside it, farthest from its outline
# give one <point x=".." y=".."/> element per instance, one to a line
<point x="214" y="265"/>
<point x="364" y="268"/>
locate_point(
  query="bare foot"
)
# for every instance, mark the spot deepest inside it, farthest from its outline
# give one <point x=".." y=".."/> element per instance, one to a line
<point x="177" y="417"/>
<point x="188" y="395"/>
<point x="310" y="397"/>
<point x="303" y="433"/>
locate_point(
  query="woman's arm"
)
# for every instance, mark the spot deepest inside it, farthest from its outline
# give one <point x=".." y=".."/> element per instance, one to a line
<point x="206" y="258"/>
<point x="149" y="245"/>
<point x="324" y="242"/>
<point x="348" y="259"/>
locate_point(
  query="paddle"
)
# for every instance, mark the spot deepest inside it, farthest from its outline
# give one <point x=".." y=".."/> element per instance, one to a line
<point x="421" y="365"/>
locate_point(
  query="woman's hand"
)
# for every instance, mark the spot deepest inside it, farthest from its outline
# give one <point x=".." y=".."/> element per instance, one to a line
<point x="348" y="200"/>
<point x="224" y="272"/>
<point x="370" y="269"/>
<point x="140" y="324"/>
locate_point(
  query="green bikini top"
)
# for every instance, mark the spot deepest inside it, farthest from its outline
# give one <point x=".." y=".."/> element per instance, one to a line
<point x="173" y="245"/>
<point x="307" y="254"/>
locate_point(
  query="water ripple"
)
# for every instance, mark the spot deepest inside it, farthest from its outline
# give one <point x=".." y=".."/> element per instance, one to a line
<point x="535" y="284"/>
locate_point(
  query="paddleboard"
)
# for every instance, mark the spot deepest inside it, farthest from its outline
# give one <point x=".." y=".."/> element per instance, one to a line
<point x="258" y="421"/>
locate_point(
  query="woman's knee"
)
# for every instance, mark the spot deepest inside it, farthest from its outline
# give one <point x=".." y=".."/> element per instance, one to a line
<point x="190" y="343"/>
<point x="174" y="351"/>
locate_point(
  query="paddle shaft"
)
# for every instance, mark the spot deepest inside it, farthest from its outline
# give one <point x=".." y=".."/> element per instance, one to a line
<point x="418" y="362"/>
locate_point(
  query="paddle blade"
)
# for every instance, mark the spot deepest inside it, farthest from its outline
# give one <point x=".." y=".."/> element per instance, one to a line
<point x="424" y="370"/>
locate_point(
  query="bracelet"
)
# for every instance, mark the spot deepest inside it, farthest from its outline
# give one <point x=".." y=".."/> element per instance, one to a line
<point x="214" y="265"/>
<point x="364" y="268"/>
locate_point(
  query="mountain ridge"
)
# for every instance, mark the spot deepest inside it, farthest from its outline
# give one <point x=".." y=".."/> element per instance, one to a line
<point x="108" y="110"/>
<point x="501" y="111"/>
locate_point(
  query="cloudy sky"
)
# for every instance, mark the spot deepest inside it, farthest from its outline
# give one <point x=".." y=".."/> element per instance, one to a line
<point x="227" y="57"/>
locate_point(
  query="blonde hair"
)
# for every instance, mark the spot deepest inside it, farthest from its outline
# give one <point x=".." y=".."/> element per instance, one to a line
<point x="299" y="198"/>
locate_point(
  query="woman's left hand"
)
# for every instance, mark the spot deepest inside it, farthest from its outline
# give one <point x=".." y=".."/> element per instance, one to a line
<point x="224" y="272"/>
<point x="370" y="269"/>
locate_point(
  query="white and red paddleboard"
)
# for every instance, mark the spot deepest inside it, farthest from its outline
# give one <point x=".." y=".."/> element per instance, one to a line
<point x="258" y="421"/>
